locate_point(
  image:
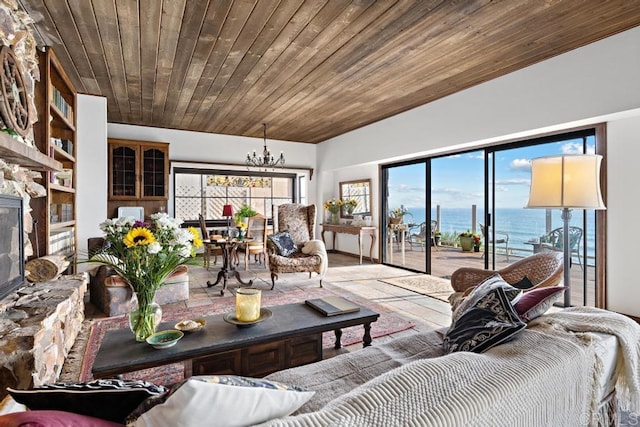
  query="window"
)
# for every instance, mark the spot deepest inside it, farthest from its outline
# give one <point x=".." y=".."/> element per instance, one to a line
<point x="207" y="191"/>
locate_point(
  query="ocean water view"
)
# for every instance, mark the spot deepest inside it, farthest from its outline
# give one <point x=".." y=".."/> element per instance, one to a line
<point x="522" y="225"/>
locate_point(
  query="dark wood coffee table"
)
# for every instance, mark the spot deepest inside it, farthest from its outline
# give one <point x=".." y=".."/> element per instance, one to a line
<point x="291" y="337"/>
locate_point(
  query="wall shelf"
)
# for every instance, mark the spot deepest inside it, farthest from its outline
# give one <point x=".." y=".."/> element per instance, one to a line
<point x="14" y="151"/>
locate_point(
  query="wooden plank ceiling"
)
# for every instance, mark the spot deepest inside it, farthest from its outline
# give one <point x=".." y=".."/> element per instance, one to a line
<point x="312" y="69"/>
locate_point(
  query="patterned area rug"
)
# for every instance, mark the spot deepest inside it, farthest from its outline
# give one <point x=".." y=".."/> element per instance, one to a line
<point x="387" y="323"/>
<point x="424" y="284"/>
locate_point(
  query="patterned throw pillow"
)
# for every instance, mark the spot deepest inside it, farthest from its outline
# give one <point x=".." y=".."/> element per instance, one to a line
<point x="536" y="302"/>
<point x="524" y="284"/>
<point x="493" y="282"/>
<point x="284" y="243"/>
<point x="232" y="400"/>
<point x="489" y="322"/>
<point x="109" y="399"/>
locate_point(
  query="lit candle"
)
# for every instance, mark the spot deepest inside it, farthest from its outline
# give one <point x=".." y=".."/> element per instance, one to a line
<point x="248" y="304"/>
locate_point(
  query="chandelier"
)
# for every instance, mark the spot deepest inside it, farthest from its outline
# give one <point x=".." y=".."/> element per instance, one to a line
<point x="267" y="159"/>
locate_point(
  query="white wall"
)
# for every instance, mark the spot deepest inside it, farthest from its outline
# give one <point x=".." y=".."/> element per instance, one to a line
<point x="328" y="183"/>
<point x="623" y="137"/>
<point x="596" y="83"/>
<point x="91" y="180"/>
<point x="209" y="148"/>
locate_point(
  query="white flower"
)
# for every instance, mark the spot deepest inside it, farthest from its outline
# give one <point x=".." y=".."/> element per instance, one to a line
<point x="154" y="248"/>
<point x="182" y="236"/>
<point x="185" y="251"/>
<point x="163" y="221"/>
<point x="106" y="226"/>
<point x="125" y="221"/>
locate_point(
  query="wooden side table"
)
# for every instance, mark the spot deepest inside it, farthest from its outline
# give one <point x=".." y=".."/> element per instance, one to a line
<point x="229" y="248"/>
<point x="354" y="230"/>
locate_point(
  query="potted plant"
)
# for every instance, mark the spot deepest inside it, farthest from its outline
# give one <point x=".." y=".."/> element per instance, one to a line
<point x="477" y="241"/>
<point x="396" y="215"/>
<point x="467" y="240"/>
<point x="437" y="237"/>
<point x="243" y="214"/>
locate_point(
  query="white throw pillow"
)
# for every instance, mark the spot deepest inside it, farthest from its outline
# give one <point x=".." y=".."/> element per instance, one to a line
<point x="222" y="400"/>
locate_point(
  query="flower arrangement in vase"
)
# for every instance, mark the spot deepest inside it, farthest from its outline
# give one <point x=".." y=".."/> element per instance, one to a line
<point x="333" y="206"/>
<point x="350" y="205"/>
<point x="144" y="254"/>
<point x="396" y="215"/>
<point x="242" y="228"/>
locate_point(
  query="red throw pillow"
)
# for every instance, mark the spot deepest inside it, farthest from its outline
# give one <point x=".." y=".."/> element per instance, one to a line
<point x="52" y="419"/>
<point x="536" y="302"/>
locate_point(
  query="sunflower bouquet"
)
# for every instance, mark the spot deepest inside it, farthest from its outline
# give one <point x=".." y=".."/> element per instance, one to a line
<point x="144" y="255"/>
<point x="333" y="205"/>
<point x="350" y="205"/>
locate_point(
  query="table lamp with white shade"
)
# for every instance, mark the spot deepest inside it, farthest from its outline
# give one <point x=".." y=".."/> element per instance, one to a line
<point x="566" y="182"/>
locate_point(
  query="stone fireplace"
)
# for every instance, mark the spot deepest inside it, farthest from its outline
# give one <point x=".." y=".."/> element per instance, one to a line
<point x="38" y="326"/>
<point x="38" y="322"/>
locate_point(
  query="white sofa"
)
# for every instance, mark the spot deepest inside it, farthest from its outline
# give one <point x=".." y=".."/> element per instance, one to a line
<point x="552" y="373"/>
<point x="569" y="368"/>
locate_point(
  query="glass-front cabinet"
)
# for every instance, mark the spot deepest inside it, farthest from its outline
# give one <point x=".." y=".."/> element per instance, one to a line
<point x="138" y="176"/>
<point x="138" y="170"/>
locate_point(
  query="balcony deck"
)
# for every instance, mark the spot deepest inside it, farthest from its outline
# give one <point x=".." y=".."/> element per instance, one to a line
<point x="446" y="259"/>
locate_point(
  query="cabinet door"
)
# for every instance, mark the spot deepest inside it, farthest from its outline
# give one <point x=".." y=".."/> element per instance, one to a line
<point x="123" y="164"/>
<point x="154" y="172"/>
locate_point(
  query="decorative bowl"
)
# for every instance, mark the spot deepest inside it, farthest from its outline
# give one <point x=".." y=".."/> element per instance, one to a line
<point x="190" y="325"/>
<point x="165" y="339"/>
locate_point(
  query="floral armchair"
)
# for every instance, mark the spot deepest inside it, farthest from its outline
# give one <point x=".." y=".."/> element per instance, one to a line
<point x="298" y="221"/>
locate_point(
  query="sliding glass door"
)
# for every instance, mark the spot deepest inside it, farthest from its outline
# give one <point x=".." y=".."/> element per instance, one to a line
<point x="408" y="236"/>
<point x="483" y="194"/>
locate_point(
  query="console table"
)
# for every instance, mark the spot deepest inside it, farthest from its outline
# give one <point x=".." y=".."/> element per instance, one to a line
<point x="354" y="230"/>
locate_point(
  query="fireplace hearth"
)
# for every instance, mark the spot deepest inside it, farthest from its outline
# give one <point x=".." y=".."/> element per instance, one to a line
<point x="12" y="259"/>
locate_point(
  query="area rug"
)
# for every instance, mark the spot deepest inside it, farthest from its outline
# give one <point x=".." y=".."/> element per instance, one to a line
<point x="386" y="324"/>
<point x="424" y="284"/>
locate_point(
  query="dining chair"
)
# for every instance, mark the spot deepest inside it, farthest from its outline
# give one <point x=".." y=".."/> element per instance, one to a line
<point x="257" y="245"/>
<point x="210" y="248"/>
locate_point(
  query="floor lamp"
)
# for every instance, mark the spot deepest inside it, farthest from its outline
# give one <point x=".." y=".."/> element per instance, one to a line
<point x="566" y="182"/>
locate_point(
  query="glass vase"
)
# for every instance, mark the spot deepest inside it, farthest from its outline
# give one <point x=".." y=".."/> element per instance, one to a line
<point x="335" y="219"/>
<point x="144" y="315"/>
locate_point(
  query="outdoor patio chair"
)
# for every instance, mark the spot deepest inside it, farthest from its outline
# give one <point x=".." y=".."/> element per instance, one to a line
<point x="502" y="238"/>
<point x="554" y="241"/>
<point x="541" y="269"/>
<point x="420" y="237"/>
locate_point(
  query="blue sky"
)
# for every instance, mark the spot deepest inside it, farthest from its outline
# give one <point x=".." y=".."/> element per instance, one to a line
<point x="458" y="182"/>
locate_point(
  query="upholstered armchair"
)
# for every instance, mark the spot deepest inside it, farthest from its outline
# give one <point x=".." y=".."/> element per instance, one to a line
<point x="541" y="269"/>
<point x="293" y="247"/>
